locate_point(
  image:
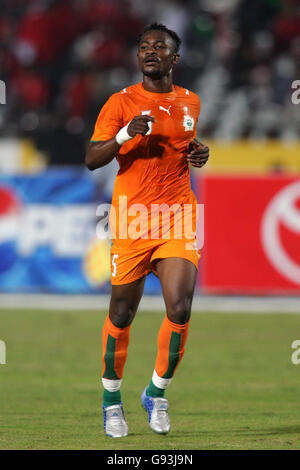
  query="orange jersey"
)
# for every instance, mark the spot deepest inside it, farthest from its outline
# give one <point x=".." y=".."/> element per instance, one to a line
<point x="153" y="168"/>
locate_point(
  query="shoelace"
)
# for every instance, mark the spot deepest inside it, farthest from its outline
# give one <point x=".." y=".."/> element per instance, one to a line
<point x="118" y="419"/>
<point x="162" y="410"/>
<point x="162" y="413"/>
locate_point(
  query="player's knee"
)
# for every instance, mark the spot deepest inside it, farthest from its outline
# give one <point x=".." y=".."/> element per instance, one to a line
<point x="121" y="314"/>
<point x="179" y="310"/>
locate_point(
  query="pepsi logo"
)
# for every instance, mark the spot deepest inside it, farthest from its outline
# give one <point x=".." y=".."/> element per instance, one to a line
<point x="10" y="209"/>
<point x="283" y="214"/>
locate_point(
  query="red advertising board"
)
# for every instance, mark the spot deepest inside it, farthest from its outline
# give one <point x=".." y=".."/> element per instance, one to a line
<point x="252" y="234"/>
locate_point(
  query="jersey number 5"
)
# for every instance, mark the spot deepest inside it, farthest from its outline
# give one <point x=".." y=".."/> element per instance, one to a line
<point x="149" y="123"/>
<point x="114" y="265"/>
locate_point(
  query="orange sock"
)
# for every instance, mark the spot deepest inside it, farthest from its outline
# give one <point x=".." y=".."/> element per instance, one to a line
<point x="171" y="342"/>
<point x="114" y="350"/>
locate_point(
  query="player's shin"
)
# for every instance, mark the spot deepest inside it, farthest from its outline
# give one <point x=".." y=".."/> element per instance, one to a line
<point x="115" y="344"/>
<point x="171" y="345"/>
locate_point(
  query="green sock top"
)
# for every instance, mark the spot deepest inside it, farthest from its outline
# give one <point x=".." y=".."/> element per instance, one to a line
<point x="111" y="398"/>
<point x="153" y="391"/>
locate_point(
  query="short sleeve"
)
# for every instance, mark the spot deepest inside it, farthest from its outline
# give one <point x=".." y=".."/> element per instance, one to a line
<point x="109" y="121"/>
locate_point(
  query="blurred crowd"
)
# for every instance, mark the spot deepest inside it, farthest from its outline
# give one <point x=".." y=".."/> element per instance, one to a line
<point x="62" y="59"/>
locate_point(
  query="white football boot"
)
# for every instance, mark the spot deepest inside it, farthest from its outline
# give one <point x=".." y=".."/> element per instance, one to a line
<point x="157" y="409"/>
<point x="114" y="421"/>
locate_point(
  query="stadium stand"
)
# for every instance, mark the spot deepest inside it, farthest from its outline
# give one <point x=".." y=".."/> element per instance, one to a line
<point x="62" y="59"/>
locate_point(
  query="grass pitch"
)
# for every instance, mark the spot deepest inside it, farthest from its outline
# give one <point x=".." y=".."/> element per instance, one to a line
<point x="236" y="387"/>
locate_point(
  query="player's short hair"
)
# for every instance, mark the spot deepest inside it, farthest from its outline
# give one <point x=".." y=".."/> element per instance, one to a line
<point x="161" y="27"/>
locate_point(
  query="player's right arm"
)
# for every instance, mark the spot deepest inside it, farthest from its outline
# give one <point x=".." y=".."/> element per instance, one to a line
<point x="100" y="153"/>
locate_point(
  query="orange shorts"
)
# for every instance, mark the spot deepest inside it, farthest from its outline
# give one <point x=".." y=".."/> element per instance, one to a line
<point x="130" y="265"/>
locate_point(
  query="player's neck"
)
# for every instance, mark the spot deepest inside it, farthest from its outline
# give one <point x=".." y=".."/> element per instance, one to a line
<point x="161" y="85"/>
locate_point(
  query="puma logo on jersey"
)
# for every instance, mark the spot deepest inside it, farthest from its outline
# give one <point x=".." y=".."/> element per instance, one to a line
<point x="167" y="110"/>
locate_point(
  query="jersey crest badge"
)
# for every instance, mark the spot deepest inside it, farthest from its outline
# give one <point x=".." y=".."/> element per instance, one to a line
<point x="188" y="122"/>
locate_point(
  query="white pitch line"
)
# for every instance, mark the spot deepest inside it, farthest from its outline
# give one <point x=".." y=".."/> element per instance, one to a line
<point x="204" y="303"/>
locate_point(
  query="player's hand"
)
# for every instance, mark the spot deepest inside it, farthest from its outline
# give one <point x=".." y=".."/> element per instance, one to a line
<point x="198" y="154"/>
<point x="139" y="125"/>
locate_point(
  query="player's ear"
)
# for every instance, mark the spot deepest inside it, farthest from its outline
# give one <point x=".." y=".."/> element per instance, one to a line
<point x="176" y="58"/>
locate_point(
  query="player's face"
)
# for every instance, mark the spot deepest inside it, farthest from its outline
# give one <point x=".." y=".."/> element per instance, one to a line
<point x="156" y="54"/>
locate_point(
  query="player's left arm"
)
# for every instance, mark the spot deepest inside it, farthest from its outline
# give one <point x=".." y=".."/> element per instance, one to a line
<point x="198" y="154"/>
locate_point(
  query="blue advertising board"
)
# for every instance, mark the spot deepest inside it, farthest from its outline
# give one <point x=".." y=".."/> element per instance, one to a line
<point x="48" y="239"/>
